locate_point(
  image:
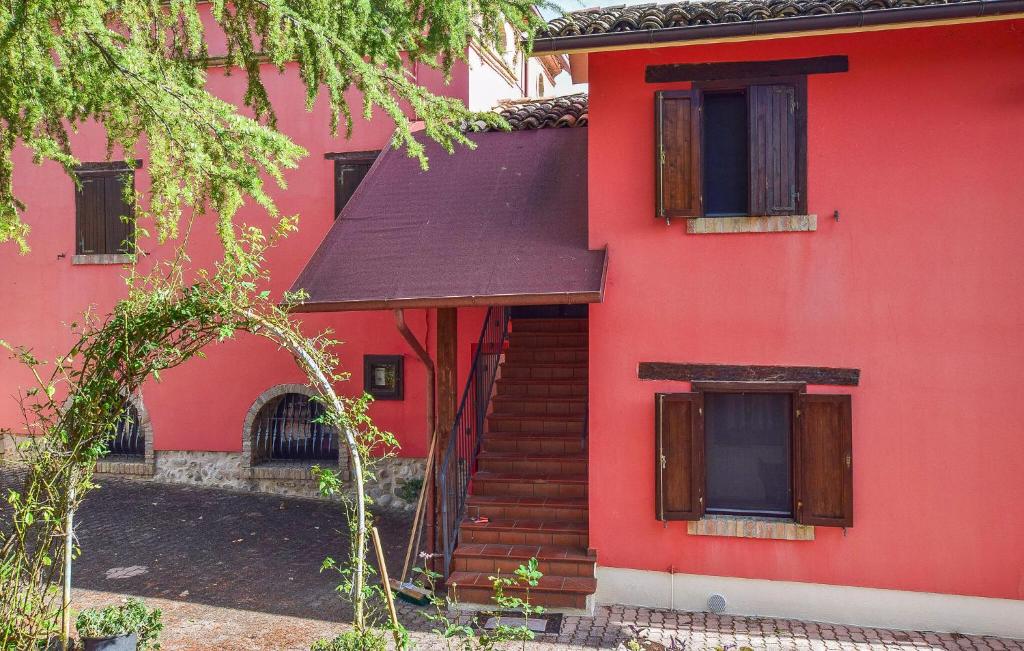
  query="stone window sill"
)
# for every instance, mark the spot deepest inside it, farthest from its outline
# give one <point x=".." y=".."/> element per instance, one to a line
<point x="768" y="224"/>
<point x="750" y="527"/>
<point x="300" y="470"/>
<point x="140" y="468"/>
<point x="101" y="258"/>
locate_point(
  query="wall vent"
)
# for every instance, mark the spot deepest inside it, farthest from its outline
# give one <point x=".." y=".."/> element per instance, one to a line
<point x="717" y="603"/>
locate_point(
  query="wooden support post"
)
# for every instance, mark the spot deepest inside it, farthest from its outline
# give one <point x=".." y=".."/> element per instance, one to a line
<point x="447" y="371"/>
<point x="446" y="355"/>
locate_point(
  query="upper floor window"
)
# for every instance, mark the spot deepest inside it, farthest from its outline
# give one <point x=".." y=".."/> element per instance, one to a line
<point x="103" y="212"/>
<point x="349" y="170"/>
<point x="732" y="148"/>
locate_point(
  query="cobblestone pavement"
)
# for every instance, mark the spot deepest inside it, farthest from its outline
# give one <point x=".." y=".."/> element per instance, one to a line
<point x="241" y="572"/>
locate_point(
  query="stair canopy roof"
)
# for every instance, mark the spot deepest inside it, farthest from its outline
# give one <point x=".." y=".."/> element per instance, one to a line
<point x="504" y="223"/>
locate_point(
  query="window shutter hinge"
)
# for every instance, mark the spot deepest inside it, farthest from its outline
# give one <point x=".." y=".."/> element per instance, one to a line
<point x="798" y="413"/>
<point x="664" y="462"/>
<point x="700" y="411"/>
<point x="849" y="461"/>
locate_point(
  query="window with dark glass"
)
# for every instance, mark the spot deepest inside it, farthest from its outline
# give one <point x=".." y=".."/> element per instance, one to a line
<point x="770" y="451"/>
<point x="103" y="213"/>
<point x="726" y="164"/>
<point x="350" y="168"/>
<point x="747" y="452"/>
<point x="731" y="148"/>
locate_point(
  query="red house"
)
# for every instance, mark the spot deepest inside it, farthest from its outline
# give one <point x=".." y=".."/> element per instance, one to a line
<point x="743" y="336"/>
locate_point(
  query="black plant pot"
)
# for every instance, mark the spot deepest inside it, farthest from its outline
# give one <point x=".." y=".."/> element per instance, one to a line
<point x="129" y="642"/>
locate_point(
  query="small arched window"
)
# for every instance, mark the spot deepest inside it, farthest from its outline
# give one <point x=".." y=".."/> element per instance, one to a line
<point x="290" y="428"/>
<point x="129" y="441"/>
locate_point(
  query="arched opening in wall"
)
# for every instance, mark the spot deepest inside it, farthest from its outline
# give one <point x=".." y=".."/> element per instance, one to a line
<point x="284" y="435"/>
<point x="130" y="450"/>
<point x="129" y="442"/>
<point x="290" y="428"/>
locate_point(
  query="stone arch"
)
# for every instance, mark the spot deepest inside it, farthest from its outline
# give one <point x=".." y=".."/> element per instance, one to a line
<point x="254" y="467"/>
<point x="146" y="465"/>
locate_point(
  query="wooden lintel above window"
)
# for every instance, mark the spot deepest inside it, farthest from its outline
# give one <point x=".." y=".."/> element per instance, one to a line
<point x="661" y="74"/>
<point x="735" y="373"/>
<point x="353" y="156"/>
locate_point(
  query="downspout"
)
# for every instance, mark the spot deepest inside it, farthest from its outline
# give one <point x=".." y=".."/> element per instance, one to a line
<point x="424" y="356"/>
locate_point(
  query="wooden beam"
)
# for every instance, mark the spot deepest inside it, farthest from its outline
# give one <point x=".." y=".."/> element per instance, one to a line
<point x="661" y="74"/>
<point x="447" y="374"/>
<point x="736" y="373"/>
<point x="560" y="298"/>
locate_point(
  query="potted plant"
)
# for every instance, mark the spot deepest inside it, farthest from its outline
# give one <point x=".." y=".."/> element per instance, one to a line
<point x="130" y="626"/>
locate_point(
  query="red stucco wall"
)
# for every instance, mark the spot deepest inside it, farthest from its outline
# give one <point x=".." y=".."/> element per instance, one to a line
<point x="919" y="285"/>
<point x="202" y="406"/>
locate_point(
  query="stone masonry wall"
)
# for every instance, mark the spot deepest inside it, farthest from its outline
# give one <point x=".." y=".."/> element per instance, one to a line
<point x="227" y="470"/>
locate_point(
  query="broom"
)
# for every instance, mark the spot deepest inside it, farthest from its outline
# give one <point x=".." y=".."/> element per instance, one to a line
<point x="407" y="590"/>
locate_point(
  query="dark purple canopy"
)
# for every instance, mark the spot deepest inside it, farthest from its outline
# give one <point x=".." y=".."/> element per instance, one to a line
<point x="505" y="223"/>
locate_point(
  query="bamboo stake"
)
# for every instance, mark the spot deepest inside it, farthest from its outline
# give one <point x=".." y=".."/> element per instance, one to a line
<point x="65" y="616"/>
<point x="387" y="585"/>
<point x="419" y="509"/>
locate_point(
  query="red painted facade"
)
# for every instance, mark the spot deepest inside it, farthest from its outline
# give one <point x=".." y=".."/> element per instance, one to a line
<point x="202" y="405"/>
<point x="918" y="284"/>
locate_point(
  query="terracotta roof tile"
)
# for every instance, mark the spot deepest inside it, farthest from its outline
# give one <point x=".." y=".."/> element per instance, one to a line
<point x="552" y="112"/>
<point x="623" y="18"/>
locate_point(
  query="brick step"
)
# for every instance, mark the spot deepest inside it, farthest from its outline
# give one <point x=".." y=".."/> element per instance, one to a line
<point x="493" y="558"/>
<point x="566" y="406"/>
<point x="534" y="464"/>
<point x="551" y="591"/>
<point x="542" y="388"/>
<point x="571" y="509"/>
<point x="545" y="370"/>
<point x="533" y="443"/>
<point x="526" y="532"/>
<point x="550" y="325"/>
<point x="502" y="422"/>
<point x="558" y="354"/>
<point x="519" y="339"/>
<point x="523" y="485"/>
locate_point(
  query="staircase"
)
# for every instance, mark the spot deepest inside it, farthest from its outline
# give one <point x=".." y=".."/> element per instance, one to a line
<point x="531" y="478"/>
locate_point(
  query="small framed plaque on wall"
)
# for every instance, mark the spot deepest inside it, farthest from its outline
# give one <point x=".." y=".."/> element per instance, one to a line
<point x="383" y="376"/>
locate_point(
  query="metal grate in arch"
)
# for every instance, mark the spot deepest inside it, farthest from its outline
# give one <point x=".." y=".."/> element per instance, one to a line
<point x="288" y="428"/>
<point x="129" y="440"/>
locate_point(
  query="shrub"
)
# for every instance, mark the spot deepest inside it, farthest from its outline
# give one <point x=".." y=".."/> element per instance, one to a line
<point x="130" y="617"/>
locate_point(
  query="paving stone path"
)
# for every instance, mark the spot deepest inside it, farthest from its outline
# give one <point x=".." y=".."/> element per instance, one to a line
<point x="241" y="572"/>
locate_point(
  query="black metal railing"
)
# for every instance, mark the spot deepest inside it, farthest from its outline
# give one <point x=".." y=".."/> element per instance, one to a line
<point x="128" y="440"/>
<point x="289" y="429"/>
<point x="459" y="460"/>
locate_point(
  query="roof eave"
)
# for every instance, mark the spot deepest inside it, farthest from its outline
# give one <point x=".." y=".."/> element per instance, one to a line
<point x="556" y="298"/>
<point x="877" y="19"/>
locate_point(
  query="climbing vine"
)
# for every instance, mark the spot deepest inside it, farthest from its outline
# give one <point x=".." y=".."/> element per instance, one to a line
<point x="72" y="413"/>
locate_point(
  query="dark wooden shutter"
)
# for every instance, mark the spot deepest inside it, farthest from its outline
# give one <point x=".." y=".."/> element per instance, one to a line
<point x="100" y="209"/>
<point x="774" y="186"/>
<point x="90" y="231"/>
<point x="823" y="468"/>
<point x="679" y="456"/>
<point x="120" y="233"/>
<point x="677" y="154"/>
<point x="347" y="177"/>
